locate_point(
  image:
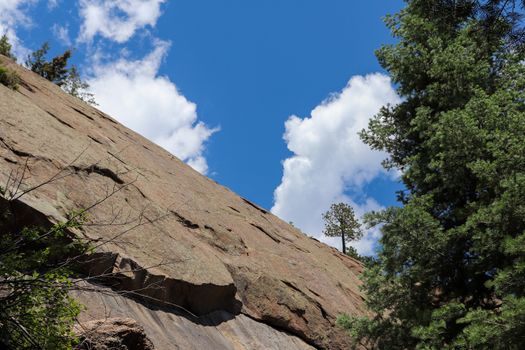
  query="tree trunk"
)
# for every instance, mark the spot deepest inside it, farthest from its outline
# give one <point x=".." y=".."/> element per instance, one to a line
<point x="343" y="238"/>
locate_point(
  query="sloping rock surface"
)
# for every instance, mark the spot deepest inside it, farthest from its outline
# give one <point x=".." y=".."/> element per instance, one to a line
<point x="180" y="248"/>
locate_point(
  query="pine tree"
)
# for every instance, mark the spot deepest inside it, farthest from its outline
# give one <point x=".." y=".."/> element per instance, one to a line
<point x="5" y="47"/>
<point x="451" y="272"/>
<point x="55" y="70"/>
<point x="340" y="221"/>
<point x="75" y="86"/>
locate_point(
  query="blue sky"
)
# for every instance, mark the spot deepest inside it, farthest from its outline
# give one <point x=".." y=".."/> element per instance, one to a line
<point x="265" y="97"/>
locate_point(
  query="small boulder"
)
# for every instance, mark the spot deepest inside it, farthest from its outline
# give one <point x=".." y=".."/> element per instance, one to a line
<point x="114" y="334"/>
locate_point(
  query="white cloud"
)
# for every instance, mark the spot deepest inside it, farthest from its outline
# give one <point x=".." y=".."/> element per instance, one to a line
<point x="11" y="12"/>
<point x="132" y="92"/>
<point x="62" y="34"/>
<point x="12" y="16"/>
<point x="329" y="159"/>
<point x="116" y="20"/>
<point x="52" y="4"/>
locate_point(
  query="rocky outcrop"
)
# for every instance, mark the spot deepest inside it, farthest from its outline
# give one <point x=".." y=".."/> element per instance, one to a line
<point x="189" y="260"/>
<point x="113" y="334"/>
<point x="173" y="329"/>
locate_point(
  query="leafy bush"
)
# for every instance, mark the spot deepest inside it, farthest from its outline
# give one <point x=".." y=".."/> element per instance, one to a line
<point x="9" y="78"/>
<point x="36" y="311"/>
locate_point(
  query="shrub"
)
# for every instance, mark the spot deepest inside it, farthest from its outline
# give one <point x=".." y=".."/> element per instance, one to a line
<point x="9" y="78"/>
<point x="36" y="310"/>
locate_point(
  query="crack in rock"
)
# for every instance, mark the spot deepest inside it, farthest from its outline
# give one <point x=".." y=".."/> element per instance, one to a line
<point x="185" y="222"/>
<point x="254" y="206"/>
<point x="100" y="171"/>
<point x="15" y="151"/>
<point x="275" y="239"/>
<point x="60" y="120"/>
<point x="83" y="113"/>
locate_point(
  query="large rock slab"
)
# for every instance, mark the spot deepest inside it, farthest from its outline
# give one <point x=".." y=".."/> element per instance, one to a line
<point x="165" y="232"/>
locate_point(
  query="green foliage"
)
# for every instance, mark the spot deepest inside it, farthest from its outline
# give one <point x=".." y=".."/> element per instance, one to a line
<point x="5" y="47"/>
<point x="57" y="72"/>
<point x="36" y="311"/>
<point x="451" y="272"/>
<point x="351" y="251"/>
<point x="75" y="86"/>
<point x="9" y="78"/>
<point x="340" y="221"/>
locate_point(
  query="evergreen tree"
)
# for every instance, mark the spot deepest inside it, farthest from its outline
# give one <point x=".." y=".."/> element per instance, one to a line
<point x="55" y="70"/>
<point x="5" y="47"/>
<point x="340" y="221"/>
<point x="75" y="86"/>
<point x="451" y="272"/>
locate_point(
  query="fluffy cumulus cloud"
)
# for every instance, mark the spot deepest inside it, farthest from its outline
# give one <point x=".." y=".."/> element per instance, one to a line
<point x="329" y="160"/>
<point x="12" y="16"/>
<point x="116" y="20"/>
<point x="150" y="104"/>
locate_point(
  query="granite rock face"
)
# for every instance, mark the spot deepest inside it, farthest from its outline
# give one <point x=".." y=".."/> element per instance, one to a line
<point x="192" y="262"/>
<point x="113" y="334"/>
